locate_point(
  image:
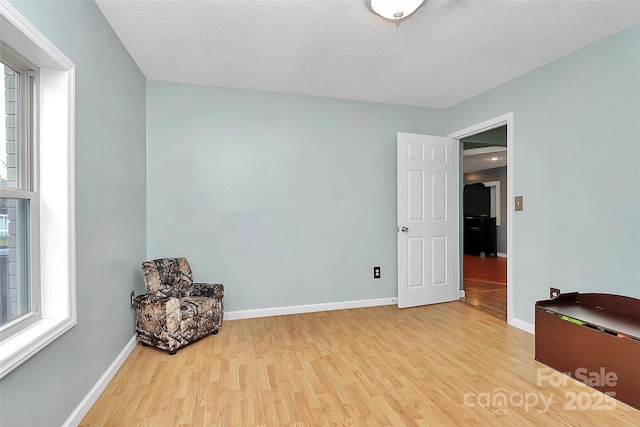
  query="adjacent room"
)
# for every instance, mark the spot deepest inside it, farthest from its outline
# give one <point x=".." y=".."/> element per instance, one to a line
<point x="484" y="210"/>
<point x="384" y="194"/>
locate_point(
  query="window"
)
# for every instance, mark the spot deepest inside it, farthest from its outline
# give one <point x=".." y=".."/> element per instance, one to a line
<point x="37" y="231"/>
<point x="19" y="282"/>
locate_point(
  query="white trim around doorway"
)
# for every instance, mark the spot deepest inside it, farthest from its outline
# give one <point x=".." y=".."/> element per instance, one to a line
<point x="505" y="119"/>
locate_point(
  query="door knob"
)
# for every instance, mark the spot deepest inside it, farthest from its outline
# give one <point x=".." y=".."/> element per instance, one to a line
<point x="404" y="229"/>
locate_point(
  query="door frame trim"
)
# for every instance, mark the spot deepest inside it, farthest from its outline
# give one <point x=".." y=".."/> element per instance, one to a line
<point x="505" y="119"/>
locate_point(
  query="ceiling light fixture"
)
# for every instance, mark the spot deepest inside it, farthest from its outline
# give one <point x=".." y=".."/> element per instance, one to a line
<point x="394" y="10"/>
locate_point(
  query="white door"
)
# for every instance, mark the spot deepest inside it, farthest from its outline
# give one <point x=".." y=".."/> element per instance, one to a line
<point x="426" y="229"/>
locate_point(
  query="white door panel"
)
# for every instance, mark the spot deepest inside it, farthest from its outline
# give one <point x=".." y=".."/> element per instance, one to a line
<point x="426" y="226"/>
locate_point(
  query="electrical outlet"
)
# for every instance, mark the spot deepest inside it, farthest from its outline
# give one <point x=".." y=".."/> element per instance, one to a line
<point x="554" y="292"/>
<point x="133" y="297"/>
<point x="376" y="272"/>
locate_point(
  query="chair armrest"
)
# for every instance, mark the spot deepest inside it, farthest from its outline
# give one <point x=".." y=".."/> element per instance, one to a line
<point x="161" y="311"/>
<point x="211" y="290"/>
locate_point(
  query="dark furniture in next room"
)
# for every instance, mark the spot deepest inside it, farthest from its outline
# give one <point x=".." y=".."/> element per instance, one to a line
<point x="480" y="236"/>
<point x="479" y="228"/>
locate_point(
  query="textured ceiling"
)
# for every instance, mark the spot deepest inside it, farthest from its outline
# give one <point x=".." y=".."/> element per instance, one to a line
<point x="447" y="52"/>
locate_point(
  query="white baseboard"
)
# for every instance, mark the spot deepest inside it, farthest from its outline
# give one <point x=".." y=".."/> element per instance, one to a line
<point x="527" y="327"/>
<point x="501" y="255"/>
<point x="88" y="401"/>
<point x="462" y="293"/>
<point x="310" y="308"/>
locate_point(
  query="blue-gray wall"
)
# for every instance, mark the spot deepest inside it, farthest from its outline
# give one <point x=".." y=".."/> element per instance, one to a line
<point x="286" y="199"/>
<point x="291" y="200"/>
<point x="576" y="142"/>
<point x="110" y="216"/>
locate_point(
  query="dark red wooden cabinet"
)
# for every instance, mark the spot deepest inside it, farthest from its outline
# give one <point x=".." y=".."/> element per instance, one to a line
<point x="588" y="335"/>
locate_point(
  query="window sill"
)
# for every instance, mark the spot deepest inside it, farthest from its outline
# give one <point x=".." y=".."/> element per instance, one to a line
<point x="22" y="345"/>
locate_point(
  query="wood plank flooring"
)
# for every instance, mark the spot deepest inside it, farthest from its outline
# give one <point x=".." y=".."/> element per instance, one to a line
<point x="438" y="365"/>
<point x="485" y="285"/>
<point x="491" y="298"/>
<point x="485" y="269"/>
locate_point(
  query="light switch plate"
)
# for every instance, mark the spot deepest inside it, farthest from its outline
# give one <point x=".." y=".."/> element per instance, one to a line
<point x="519" y="203"/>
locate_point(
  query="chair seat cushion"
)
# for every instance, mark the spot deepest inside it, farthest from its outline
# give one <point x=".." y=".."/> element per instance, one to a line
<point x="195" y="306"/>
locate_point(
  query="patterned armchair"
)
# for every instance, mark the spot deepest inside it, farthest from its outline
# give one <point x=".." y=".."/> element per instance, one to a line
<point x="176" y="311"/>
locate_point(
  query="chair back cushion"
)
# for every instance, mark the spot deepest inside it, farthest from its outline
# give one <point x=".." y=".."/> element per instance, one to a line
<point x="167" y="277"/>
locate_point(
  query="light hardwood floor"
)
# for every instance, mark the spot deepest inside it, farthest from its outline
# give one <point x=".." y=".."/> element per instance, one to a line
<point x="439" y="365"/>
<point x="491" y="298"/>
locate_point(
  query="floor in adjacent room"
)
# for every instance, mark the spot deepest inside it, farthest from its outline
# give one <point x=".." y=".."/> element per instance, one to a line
<point x="485" y="284"/>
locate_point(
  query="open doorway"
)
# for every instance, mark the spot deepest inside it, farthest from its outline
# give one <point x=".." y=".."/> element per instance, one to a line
<point x="484" y="221"/>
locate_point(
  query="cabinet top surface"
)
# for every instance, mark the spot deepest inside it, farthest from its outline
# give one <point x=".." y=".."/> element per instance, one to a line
<point x="588" y="310"/>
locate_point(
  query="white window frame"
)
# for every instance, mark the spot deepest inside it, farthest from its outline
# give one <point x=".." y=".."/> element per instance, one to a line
<point x="27" y="190"/>
<point x="55" y="188"/>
